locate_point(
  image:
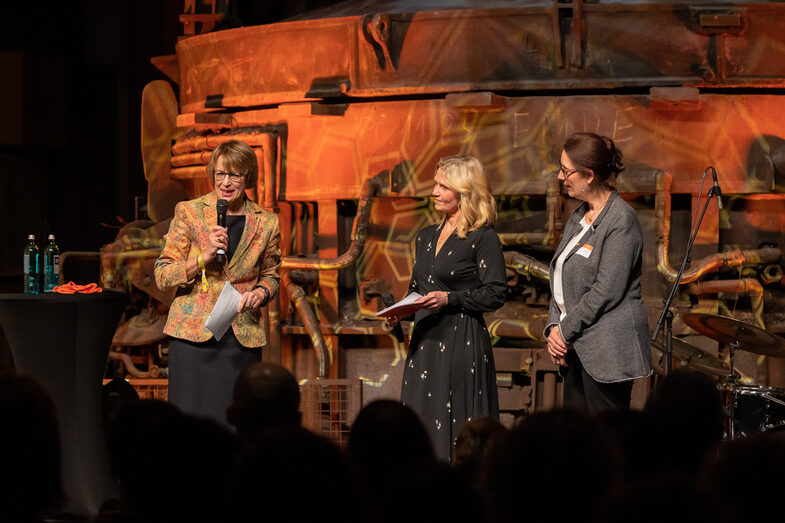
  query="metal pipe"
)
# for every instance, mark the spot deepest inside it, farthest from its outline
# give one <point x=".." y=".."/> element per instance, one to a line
<point x="771" y="274"/>
<point x="749" y="286"/>
<point x="709" y="264"/>
<point x="274" y="337"/>
<point x="370" y="187"/>
<point x="184" y="160"/>
<point x="269" y="163"/>
<point x="310" y="227"/>
<point x="210" y="142"/>
<point x="522" y="238"/>
<point x="548" y="391"/>
<point x="299" y="235"/>
<point x="553" y="211"/>
<point x="154" y="371"/>
<point x="553" y="221"/>
<point x="297" y="296"/>
<point x="517" y="328"/>
<point x="526" y="265"/>
<point x="188" y="173"/>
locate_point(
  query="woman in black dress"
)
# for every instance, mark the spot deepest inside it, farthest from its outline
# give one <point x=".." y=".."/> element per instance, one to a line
<point x="450" y="376"/>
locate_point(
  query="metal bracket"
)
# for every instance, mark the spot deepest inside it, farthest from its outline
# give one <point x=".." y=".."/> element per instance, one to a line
<point x="377" y="31"/>
<point x="714" y="21"/>
<point x="568" y="45"/>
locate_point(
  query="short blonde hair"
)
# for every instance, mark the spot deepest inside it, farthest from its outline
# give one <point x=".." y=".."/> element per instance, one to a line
<point x="240" y="157"/>
<point x="464" y="174"/>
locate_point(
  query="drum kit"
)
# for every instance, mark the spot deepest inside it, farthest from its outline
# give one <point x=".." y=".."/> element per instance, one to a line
<point x="751" y="409"/>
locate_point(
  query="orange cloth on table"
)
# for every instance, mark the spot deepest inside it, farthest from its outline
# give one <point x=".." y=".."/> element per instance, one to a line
<point x="73" y="288"/>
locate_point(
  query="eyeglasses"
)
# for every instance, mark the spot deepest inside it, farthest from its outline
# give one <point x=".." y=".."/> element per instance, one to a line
<point x="233" y="177"/>
<point x="567" y="172"/>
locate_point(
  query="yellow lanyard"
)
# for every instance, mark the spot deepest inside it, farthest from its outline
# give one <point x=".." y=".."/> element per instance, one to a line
<point x="204" y="274"/>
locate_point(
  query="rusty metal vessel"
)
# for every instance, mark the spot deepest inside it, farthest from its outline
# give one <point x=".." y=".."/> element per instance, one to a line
<point x="349" y="109"/>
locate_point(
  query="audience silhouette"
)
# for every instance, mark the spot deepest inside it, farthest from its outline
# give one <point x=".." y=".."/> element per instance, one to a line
<point x="30" y="446"/>
<point x="667" y="462"/>
<point x="265" y="395"/>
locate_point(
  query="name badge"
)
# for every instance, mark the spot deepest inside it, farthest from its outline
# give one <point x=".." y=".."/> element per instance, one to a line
<point x="585" y="250"/>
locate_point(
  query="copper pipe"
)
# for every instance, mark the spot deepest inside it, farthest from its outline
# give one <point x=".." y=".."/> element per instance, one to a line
<point x="268" y="165"/>
<point x="154" y="371"/>
<point x="297" y="296"/>
<point x="553" y="221"/>
<point x="298" y="224"/>
<point x="548" y="391"/>
<point x="522" y="238"/>
<point x="210" y="142"/>
<point x="749" y="286"/>
<point x="771" y="274"/>
<point x="146" y="253"/>
<point x="709" y="264"/>
<point x="310" y="227"/>
<point x="188" y="173"/>
<point x="273" y="350"/>
<point x="526" y="265"/>
<point x="517" y="328"/>
<point x="370" y="188"/>
<point x="184" y="160"/>
<point x="553" y="211"/>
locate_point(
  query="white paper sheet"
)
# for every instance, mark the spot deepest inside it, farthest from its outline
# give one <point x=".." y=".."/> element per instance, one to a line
<point x="224" y="312"/>
<point x="403" y="308"/>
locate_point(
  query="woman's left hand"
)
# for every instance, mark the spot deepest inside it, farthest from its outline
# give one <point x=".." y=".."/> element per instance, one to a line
<point x="251" y="300"/>
<point x="434" y="300"/>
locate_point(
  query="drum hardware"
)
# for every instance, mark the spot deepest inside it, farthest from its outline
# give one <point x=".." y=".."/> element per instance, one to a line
<point x="666" y="316"/>
<point x="740" y="335"/>
<point x="753" y="409"/>
<point x="692" y="357"/>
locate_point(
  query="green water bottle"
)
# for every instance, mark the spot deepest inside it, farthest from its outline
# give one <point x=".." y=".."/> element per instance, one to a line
<point x="51" y="264"/>
<point x="31" y="266"/>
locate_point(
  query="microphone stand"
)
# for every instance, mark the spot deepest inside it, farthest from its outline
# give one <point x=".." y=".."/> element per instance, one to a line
<point x="666" y="317"/>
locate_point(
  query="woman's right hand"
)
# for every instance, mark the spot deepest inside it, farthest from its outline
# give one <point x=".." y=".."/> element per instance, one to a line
<point x="557" y="347"/>
<point x="218" y="239"/>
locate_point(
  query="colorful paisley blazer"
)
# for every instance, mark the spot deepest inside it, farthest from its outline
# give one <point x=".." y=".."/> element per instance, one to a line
<point x="254" y="264"/>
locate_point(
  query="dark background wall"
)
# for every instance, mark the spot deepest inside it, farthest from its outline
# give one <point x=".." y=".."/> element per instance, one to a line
<point x="71" y="80"/>
<point x="71" y="77"/>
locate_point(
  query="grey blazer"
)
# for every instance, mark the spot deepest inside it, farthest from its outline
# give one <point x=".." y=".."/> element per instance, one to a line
<point x="606" y="323"/>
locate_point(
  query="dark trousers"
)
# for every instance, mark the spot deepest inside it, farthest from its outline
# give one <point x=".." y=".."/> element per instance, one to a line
<point x="584" y="393"/>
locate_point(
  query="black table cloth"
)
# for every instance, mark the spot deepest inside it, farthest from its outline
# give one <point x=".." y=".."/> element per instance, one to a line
<point x="63" y="342"/>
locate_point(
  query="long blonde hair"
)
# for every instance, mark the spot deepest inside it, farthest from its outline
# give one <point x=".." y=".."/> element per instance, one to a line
<point x="464" y="174"/>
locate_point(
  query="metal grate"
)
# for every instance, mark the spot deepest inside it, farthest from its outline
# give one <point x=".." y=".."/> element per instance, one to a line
<point x="149" y="389"/>
<point x="329" y="406"/>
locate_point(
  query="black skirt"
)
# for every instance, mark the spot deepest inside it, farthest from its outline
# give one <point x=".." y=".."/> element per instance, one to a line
<point x="202" y="375"/>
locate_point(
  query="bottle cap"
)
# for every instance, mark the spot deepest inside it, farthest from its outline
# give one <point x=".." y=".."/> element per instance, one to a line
<point x="51" y="236"/>
<point x="31" y="236"/>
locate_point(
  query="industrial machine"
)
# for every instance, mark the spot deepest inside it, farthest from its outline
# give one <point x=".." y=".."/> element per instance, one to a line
<point x="350" y="108"/>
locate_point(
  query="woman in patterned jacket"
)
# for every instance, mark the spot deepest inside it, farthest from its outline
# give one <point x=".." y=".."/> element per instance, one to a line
<point x="202" y="370"/>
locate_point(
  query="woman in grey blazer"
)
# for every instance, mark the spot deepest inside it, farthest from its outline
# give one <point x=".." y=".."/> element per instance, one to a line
<point x="597" y="329"/>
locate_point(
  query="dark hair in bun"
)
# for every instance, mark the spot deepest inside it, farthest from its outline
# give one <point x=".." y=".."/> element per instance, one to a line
<point x="589" y="151"/>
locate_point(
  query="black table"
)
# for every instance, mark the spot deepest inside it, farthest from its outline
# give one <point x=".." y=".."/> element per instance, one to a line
<point x="63" y="342"/>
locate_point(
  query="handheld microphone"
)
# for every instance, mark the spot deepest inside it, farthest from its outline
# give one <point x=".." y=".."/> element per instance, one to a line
<point x="221" y="207"/>
<point x="397" y="331"/>
<point x="717" y="190"/>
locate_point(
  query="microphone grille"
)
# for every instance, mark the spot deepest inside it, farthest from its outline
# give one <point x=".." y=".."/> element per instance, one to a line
<point x="222" y="205"/>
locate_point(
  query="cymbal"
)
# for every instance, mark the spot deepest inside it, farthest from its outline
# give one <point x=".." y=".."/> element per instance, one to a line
<point x="692" y="357"/>
<point x="728" y="330"/>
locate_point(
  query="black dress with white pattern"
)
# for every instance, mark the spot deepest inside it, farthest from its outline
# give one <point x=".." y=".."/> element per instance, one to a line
<point x="450" y="376"/>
